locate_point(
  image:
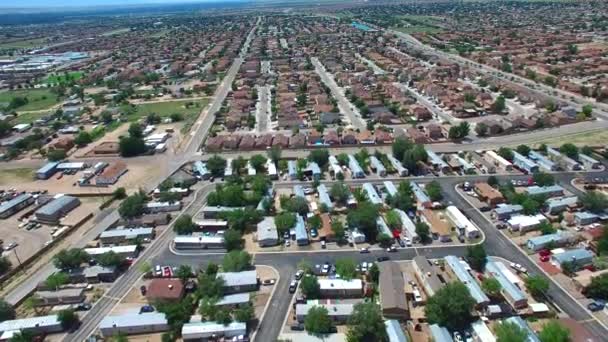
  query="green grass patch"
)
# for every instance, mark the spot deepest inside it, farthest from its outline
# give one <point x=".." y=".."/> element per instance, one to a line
<point x="165" y="109"/>
<point x="23" y="44"/>
<point x="14" y="176"/>
<point x="116" y="32"/>
<point x="418" y="29"/>
<point x="419" y="23"/>
<point x="63" y="78"/>
<point x="29" y="117"/>
<point x="38" y="99"/>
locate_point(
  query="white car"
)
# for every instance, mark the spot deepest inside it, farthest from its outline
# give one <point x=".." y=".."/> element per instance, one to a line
<point x="408" y="242"/>
<point x="287" y="243"/>
<point x="325" y="269"/>
<point x="518" y="267"/>
<point x="364" y="250"/>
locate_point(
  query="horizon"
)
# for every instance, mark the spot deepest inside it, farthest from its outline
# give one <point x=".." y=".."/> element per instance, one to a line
<point x="74" y="4"/>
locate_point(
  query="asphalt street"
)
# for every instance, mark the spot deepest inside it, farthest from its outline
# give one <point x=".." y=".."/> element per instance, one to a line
<point x="344" y="104"/>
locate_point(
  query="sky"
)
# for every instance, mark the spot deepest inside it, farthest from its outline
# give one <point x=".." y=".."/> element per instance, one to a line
<point x="92" y="3"/>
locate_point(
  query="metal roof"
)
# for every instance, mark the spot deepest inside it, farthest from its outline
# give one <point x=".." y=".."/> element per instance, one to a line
<point x="324" y="196"/>
<point x="522" y="324"/>
<point x="377" y="164"/>
<point x="421" y="196"/>
<point x="573" y="255"/>
<point x="239" y="278"/>
<point x="397" y="165"/>
<point x="354" y="166"/>
<point x="394" y="331"/>
<point x="503" y="208"/>
<point x="267" y="229"/>
<point x="483" y="333"/>
<point x="383" y="227"/>
<point x="29" y="323"/>
<point x="390" y="187"/>
<point x="513" y="291"/>
<point x="237" y="298"/>
<point x="201" y="239"/>
<point x="133" y="320"/>
<point x="300" y="229"/>
<point x="47" y="167"/>
<point x="340" y="284"/>
<point x="56" y="205"/>
<point x="210" y="328"/>
<point x="440" y="334"/>
<point x="128" y="233"/>
<point x="332" y="309"/>
<point x="8" y="205"/>
<point x="298" y="191"/>
<point x="435" y="159"/>
<point x="408" y="225"/>
<point x="372" y="195"/>
<point x="115" y="249"/>
<point x="543" y="190"/>
<point x="463" y="275"/>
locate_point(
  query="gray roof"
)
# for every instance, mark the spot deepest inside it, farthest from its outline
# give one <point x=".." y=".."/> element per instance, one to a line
<point x="383" y="227"/>
<point x="133" y="320"/>
<point x="60" y="293"/>
<point x="377" y="164"/>
<point x="390" y="187"/>
<point x="513" y="291"/>
<point x="314" y="168"/>
<point x="47" y="167"/>
<point x="267" y="229"/>
<point x="324" y="196"/>
<point x="298" y="191"/>
<point x="354" y="166"/>
<point x="421" y="196"/>
<point x="440" y="334"/>
<point x="436" y="160"/>
<point x="239" y="278"/>
<point x="332" y="309"/>
<point x="522" y="324"/>
<point x="463" y="275"/>
<point x="543" y="161"/>
<point x="94" y="271"/>
<point x="394" y="331"/>
<point x="300" y="228"/>
<point x="128" y="233"/>
<point x="579" y="254"/>
<point x="372" y="194"/>
<point x="56" y="205"/>
<point x="237" y="298"/>
<point x="29" y="323"/>
<point x="14" y="202"/>
<point x="503" y="208"/>
<point x="542" y="190"/>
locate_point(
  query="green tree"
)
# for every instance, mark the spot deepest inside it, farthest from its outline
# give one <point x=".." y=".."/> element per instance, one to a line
<point x="594" y="201"/>
<point x="424" y="232"/>
<point x="393" y="220"/>
<point x="506" y="153"/>
<point x="68" y="319"/>
<point x="569" y="150"/>
<point x="68" y="259"/>
<point x="132" y="206"/>
<point x="598" y="287"/>
<point x="184" y="225"/>
<point x="510" y="332"/>
<point x="384" y="240"/>
<point x="537" y="285"/>
<point x="524" y="150"/>
<point x="433" y="189"/>
<point x="131" y="146"/>
<point x="450" y="307"/>
<point x="317" y="321"/>
<point x="233" y="239"/>
<point x="23" y="336"/>
<point x="274" y="153"/>
<point x="481" y="129"/>
<point x="554" y="332"/>
<point x="183" y="273"/>
<point x="56" y="155"/>
<point x="476" y="257"/>
<point x="319" y="156"/>
<point x="364" y="218"/>
<point x="587" y="110"/>
<point x="111" y="259"/>
<point x="236" y="261"/>
<point x="285" y="221"/>
<point x="366" y="324"/>
<point x="119" y="193"/>
<point x="314" y="222"/>
<point x="216" y="165"/>
<point x="340" y="193"/>
<point x="337" y="228"/>
<point x="5" y="265"/>
<point x="310" y="286"/>
<point x="297" y="205"/>
<point x="258" y="162"/>
<point x="244" y="313"/>
<point x="491" y="287"/>
<point x="238" y="164"/>
<point x="499" y="105"/>
<point x="135" y="131"/>
<point x="7" y="312"/>
<point x="400" y="145"/>
<point x="83" y="138"/>
<point x="177" y="313"/>
<point x="374" y="273"/>
<point x="346" y="268"/>
<point x="493" y="181"/>
<point x="543" y="179"/>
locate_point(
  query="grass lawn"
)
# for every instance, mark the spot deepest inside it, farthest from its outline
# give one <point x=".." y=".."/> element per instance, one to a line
<point x="39" y="99"/>
<point x="116" y="32"/>
<point x="417" y="29"/>
<point x="29" y="117"/>
<point x="61" y="78"/>
<point x="165" y="109"/>
<point x="418" y="23"/>
<point x="23" y="44"/>
<point x="14" y="176"/>
<point x="598" y="137"/>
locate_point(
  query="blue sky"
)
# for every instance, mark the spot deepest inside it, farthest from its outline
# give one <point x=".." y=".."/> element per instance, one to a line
<point x="90" y="3"/>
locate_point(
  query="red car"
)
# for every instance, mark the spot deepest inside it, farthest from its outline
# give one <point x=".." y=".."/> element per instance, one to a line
<point x="544" y="252"/>
<point x="544" y="258"/>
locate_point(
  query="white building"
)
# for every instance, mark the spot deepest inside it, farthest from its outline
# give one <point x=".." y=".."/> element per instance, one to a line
<point x="462" y="223"/>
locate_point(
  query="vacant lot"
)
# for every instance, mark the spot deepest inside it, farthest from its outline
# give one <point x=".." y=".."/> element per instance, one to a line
<point x="594" y="138"/>
<point x="38" y="99"/>
<point x="15" y="176"/>
<point x="418" y="23"/>
<point x="186" y="108"/>
<point x="23" y="44"/>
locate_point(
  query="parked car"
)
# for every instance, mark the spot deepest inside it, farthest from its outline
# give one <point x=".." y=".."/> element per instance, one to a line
<point x="268" y="282"/>
<point x="364" y="250"/>
<point x="383" y="258"/>
<point x="544" y="258"/>
<point x="292" y="286"/>
<point x="518" y="267"/>
<point x="391" y="249"/>
<point x="297" y="327"/>
<point x="83" y="307"/>
<point x="323" y="244"/>
<point x="146" y="308"/>
<point x="596" y="306"/>
<point x="299" y="274"/>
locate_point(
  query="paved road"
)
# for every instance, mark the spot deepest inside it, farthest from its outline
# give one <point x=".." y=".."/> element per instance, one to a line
<point x="352" y="113"/>
<point x="123" y="284"/>
<point x="377" y="70"/>
<point x="262" y="110"/>
<point x="495" y="243"/>
<point x="432" y="107"/>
